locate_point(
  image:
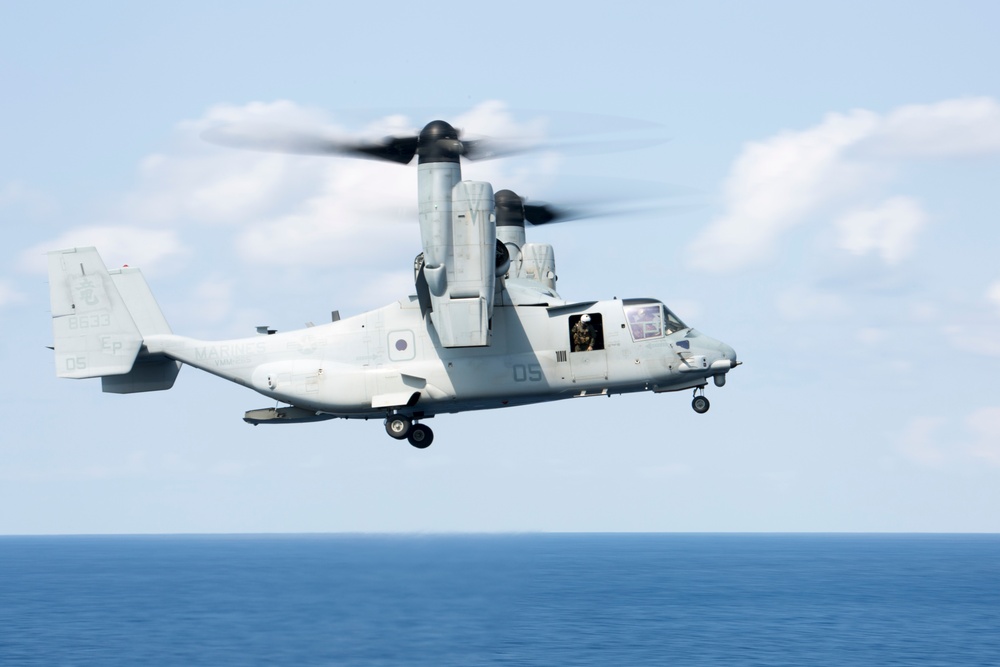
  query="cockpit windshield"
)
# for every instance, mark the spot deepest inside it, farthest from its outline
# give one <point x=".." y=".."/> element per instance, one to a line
<point x="650" y="319"/>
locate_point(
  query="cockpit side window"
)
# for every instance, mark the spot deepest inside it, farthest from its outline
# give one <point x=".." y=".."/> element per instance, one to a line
<point x="673" y="323"/>
<point x="644" y="321"/>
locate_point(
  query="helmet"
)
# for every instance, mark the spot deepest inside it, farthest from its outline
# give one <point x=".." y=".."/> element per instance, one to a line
<point x="585" y="318"/>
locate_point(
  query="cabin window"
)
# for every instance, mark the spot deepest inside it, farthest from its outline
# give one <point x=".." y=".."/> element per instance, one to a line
<point x="586" y="332"/>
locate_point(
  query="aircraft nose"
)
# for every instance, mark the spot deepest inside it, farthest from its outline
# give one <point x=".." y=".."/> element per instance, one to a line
<point x="729" y="353"/>
<point x="725" y="360"/>
<point x="722" y="357"/>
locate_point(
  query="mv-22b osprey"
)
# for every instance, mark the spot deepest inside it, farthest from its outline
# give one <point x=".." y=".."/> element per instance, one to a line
<point x="485" y="329"/>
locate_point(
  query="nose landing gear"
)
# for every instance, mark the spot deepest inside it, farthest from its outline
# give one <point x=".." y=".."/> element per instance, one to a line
<point x="700" y="403"/>
<point x="400" y="426"/>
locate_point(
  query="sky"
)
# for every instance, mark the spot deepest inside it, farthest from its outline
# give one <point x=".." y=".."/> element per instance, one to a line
<point x="824" y="176"/>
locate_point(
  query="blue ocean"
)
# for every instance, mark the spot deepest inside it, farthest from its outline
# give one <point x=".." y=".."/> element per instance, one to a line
<point x="535" y="599"/>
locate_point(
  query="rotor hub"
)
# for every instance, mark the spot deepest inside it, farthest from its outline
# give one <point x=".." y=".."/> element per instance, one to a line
<point x="509" y="209"/>
<point x="438" y="142"/>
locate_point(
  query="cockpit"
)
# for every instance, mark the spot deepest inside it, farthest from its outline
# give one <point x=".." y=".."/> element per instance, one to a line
<point x="647" y="318"/>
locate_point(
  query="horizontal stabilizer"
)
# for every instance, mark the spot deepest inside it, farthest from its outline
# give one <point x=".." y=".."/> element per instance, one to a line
<point x="150" y="373"/>
<point x="94" y="333"/>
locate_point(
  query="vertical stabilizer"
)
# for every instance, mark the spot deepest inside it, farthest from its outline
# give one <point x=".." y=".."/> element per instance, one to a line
<point x="139" y="301"/>
<point x="151" y="372"/>
<point x="94" y="333"/>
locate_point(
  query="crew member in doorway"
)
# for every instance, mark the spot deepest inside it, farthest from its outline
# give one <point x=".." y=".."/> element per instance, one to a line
<point x="584" y="335"/>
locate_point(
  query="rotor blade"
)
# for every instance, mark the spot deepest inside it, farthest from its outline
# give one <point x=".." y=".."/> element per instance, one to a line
<point x="490" y="149"/>
<point x="394" y="149"/>
<point x="402" y="148"/>
<point x="539" y="214"/>
<point x="274" y="139"/>
<point x="618" y="197"/>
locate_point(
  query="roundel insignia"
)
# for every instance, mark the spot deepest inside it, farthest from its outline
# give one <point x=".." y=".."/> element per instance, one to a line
<point x="401" y="345"/>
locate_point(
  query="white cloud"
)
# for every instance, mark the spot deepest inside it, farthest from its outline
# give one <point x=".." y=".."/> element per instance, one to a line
<point x="979" y="332"/>
<point x="197" y="182"/>
<point x="804" y="303"/>
<point x="212" y="300"/>
<point x="984" y="426"/>
<point x="919" y="442"/>
<point x="993" y="294"/>
<point x="977" y="337"/>
<point x="9" y="294"/>
<point x="214" y="188"/>
<point x="383" y="288"/>
<point x="888" y="229"/>
<point x="361" y="212"/>
<point x="833" y="168"/>
<point x="280" y="112"/>
<point x="927" y="442"/>
<point x="775" y="184"/>
<point x="924" y="312"/>
<point x="118" y="246"/>
<point x="17" y="196"/>
<point x="872" y="335"/>
<point x="952" y="128"/>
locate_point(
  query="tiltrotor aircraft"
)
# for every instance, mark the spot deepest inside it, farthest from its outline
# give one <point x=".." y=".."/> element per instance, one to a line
<point x="485" y="328"/>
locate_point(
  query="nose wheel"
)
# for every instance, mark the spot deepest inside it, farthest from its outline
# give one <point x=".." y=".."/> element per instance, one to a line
<point x="402" y="427"/>
<point x="700" y="403"/>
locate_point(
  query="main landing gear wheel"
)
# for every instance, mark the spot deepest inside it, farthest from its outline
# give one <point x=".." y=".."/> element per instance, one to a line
<point x="700" y="404"/>
<point x="421" y="436"/>
<point x="398" y="426"/>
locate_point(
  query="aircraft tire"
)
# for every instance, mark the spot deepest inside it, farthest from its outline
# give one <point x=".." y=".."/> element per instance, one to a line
<point x="421" y="436"/>
<point x="398" y="426"/>
<point x="700" y="404"/>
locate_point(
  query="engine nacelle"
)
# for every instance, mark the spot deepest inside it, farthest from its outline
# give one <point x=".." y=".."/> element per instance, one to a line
<point x="462" y="280"/>
<point x="538" y="262"/>
<point x="533" y="261"/>
<point x="472" y="259"/>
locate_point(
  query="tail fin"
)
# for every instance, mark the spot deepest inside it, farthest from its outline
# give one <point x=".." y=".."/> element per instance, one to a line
<point x="151" y="372"/>
<point x="94" y="333"/>
<point x="139" y="301"/>
<point x="99" y="319"/>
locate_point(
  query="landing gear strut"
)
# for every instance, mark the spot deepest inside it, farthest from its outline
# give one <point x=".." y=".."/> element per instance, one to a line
<point x="700" y="403"/>
<point x="400" y="426"/>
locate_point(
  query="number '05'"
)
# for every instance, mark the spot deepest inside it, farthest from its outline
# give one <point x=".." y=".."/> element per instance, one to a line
<point x="527" y="373"/>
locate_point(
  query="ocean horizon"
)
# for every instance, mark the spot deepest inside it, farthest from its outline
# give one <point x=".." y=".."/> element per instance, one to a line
<point x="501" y="598"/>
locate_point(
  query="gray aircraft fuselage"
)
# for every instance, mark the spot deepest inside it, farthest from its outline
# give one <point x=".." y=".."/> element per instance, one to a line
<point x="388" y="360"/>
